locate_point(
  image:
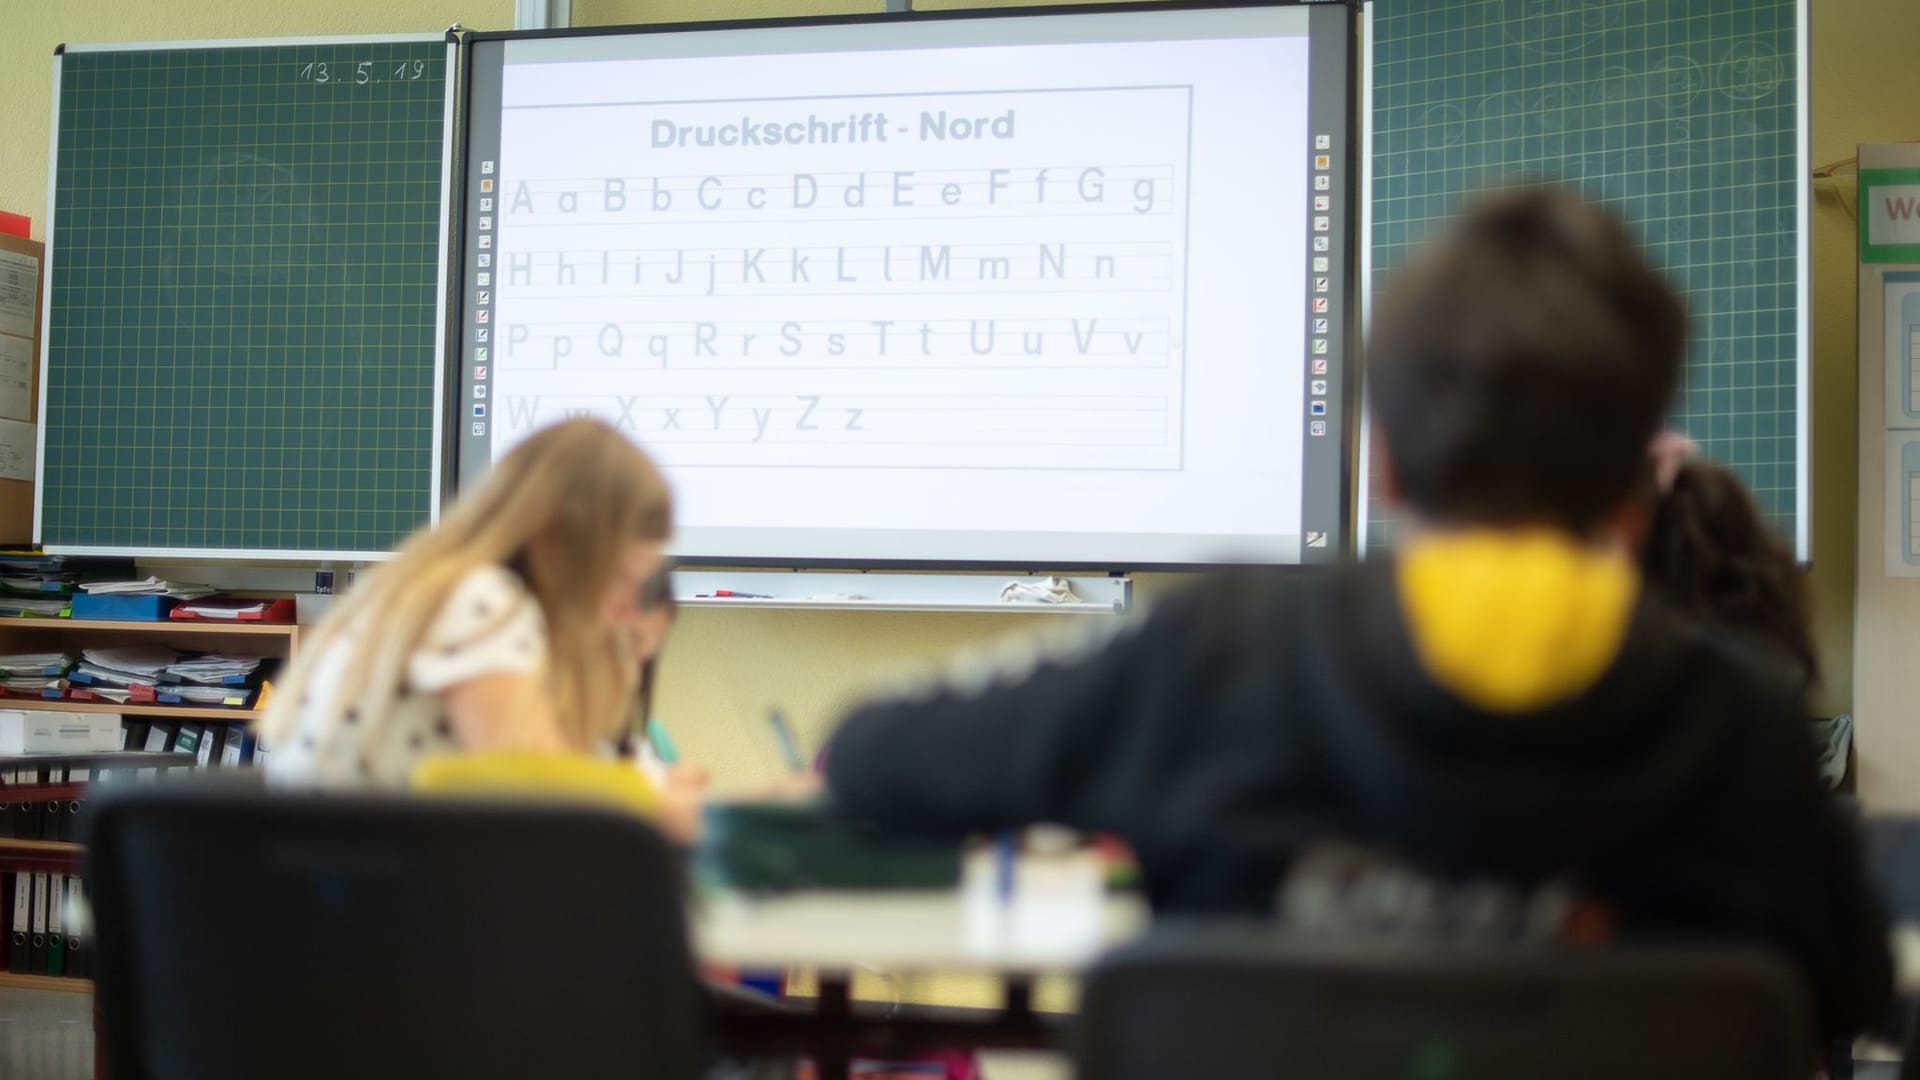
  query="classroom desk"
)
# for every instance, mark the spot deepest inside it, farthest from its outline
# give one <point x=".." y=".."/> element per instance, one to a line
<point x="907" y="931"/>
<point x="1057" y="922"/>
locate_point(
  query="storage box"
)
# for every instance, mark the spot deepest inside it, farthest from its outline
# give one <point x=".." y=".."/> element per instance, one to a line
<point x="122" y="607"/>
<point x="237" y="609"/>
<point x="43" y="731"/>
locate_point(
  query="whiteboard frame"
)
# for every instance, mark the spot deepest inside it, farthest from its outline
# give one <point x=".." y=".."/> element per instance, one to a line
<point x="950" y="592"/>
<point x="248" y="43"/>
<point x="442" y="284"/>
<point x="1363" y="453"/>
<point x="1803" y="319"/>
<point x="1348" y="463"/>
<point x="46" y="304"/>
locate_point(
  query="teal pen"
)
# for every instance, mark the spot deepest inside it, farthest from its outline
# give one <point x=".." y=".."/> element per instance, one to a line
<point x="662" y="743"/>
<point x="789" y="746"/>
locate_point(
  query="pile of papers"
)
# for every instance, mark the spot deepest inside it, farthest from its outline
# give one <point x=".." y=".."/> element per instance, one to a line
<point x="26" y="674"/>
<point x="129" y="665"/>
<point x="215" y="670"/>
<point x="50" y="606"/>
<point x="226" y="609"/>
<point x="32" y="584"/>
<point x="28" y="685"/>
<point x="207" y="695"/>
<point x="34" y="663"/>
<point x="34" y="574"/>
<point x="119" y="695"/>
<point x="152" y="586"/>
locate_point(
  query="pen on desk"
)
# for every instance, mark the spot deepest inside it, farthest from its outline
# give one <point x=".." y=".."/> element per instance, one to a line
<point x="789" y="747"/>
<point x="1006" y="851"/>
<point x="729" y="594"/>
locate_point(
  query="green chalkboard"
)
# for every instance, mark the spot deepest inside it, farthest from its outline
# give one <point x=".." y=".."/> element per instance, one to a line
<point x="1683" y="115"/>
<point x="243" y="308"/>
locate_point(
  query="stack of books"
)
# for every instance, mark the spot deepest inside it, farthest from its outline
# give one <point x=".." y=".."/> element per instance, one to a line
<point x="35" y="585"/>
<point x="127" y="673"/>
<point x="149" y="674"/>
<point x="33" y="674"/>
<point x="211" y="679"/>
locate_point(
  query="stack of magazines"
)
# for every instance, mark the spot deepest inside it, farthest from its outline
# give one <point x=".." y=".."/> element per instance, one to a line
<point x="32" y="674"/>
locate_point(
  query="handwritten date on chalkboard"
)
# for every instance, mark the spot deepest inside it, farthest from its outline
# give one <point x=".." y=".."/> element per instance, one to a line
<point x="362" y="73"/>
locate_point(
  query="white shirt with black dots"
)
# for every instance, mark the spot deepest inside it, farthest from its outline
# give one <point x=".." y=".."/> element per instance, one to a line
<point x="491" y="624"/>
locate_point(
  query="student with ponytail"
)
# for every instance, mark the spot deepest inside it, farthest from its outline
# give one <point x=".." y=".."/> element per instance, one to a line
<point x="515" y="625"/>
<point x="1713" y="557"/>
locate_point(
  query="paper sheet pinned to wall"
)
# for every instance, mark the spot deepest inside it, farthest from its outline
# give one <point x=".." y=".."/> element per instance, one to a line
<point x="16" y="378"/>
<point x="1900" y="292"/>
<point x="19" y="293"/>
<point x="16" y="450"/>
<point x="1900" y="340"/>
<point x="1903" y="504"/>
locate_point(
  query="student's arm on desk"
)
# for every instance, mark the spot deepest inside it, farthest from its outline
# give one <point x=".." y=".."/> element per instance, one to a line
<point x="1075" y="738"/>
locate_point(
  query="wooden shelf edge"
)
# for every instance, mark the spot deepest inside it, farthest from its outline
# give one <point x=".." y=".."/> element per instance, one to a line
<point x="175" y="712"/>
<point x="45" y="982"/>
<point x="159" y="626"/>
<point x="11" y="846"/>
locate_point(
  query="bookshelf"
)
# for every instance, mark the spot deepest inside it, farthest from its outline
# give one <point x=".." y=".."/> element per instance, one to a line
<point x="274" y="641"/>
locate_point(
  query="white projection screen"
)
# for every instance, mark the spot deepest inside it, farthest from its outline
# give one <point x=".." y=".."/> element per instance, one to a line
<point x="1061" y="289"/>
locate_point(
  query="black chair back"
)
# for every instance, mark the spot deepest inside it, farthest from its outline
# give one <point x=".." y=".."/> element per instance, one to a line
<point x="244" y="935"/>
<point x="1893" y="857"/>
<point x="1892" y="843"/>
<point x="1243" y="1002"/>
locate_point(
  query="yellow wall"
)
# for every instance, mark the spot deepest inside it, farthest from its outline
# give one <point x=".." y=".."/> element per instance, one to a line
<point x="1861" y="52"/>
<point x="726" y="667"/>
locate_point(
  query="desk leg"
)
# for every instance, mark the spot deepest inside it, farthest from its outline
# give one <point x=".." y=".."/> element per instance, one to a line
<point x="1018" y="1006"/>
<point x="833" y="1061"/>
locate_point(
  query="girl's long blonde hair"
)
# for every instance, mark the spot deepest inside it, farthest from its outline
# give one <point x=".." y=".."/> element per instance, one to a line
<point x="559" y="509"/>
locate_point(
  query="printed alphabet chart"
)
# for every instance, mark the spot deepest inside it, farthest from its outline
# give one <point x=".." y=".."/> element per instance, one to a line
<point x="876" y="289"/>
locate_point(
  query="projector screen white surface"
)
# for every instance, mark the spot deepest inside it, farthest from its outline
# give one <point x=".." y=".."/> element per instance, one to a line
<point x="1026" y="290"/>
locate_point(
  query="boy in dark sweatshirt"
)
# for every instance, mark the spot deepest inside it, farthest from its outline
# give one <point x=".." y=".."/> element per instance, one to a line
<point x="1500" y="700"/>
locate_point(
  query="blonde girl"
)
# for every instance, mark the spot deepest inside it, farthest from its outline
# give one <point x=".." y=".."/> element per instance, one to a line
<point x="516" y="624"/>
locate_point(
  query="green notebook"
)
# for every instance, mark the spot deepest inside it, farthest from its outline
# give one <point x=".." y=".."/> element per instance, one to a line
<point x="779" y="847"/>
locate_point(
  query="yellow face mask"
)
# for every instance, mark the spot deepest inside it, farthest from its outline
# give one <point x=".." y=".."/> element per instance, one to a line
<point x="1512" y="622"/>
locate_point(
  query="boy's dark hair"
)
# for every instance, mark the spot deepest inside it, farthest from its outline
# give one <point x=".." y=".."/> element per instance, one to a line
<point x="1712" y="555"/>
<point x="1519" y="365"/>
